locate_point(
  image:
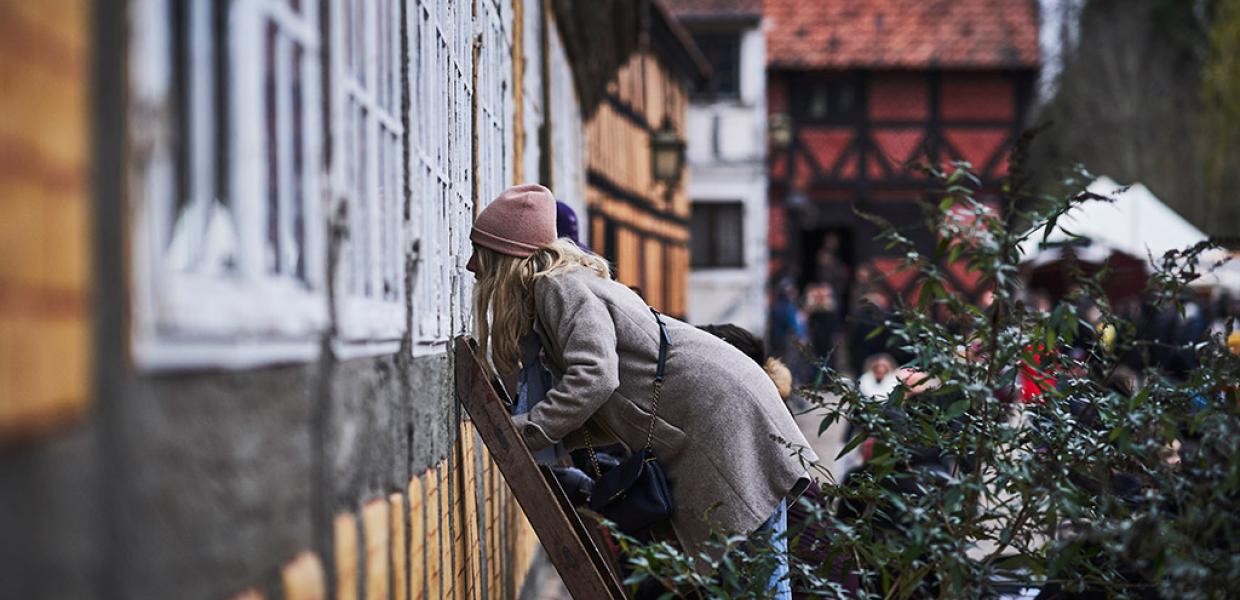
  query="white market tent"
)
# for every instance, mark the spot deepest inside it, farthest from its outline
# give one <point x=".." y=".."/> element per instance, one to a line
<point x="1219" y="272"/>
<point x="1137" y="223"/>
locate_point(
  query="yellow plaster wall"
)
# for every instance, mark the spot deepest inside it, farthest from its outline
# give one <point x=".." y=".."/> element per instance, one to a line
<point x="44" y="215"/>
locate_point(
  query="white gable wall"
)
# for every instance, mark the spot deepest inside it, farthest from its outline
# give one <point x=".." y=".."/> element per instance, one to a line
<point x="727" y="163"/>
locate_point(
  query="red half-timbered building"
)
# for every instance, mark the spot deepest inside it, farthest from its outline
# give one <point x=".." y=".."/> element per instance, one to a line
<point x="858" y="91"/>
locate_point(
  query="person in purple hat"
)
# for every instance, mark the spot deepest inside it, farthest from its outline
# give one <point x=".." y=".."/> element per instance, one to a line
<point x="566" y="224"/>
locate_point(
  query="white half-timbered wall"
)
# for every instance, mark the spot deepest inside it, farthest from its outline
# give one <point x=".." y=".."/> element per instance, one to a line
<point x="533" y="115"/>
<point x="727" y="163"/>
<point x="243" y="181"/>
<point x="568" y="170"/>
<point x="563" y="116"/>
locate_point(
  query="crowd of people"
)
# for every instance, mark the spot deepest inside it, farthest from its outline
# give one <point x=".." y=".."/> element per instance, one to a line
<point x="845" y="323"/>
<point x="831" y="320"/>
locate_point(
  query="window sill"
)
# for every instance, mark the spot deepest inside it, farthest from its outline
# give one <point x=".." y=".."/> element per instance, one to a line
<point x="177" y="355"/>
<point x="205" y="321"/>
<point x="363" y="320"/>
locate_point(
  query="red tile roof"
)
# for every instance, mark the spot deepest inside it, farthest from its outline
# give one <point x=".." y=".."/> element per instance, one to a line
<point x="697" y="9"/>
<point x="817" y="34"/>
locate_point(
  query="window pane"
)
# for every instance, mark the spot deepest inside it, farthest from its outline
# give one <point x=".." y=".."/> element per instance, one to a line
<point x="204" y="242"/>
<point x="381" y="209"/>
<point x="397" y="217"/>
<point x="820" y="102"/>
<point x="729" y="243"/>
<point x="199" y="234"/>
<point x="349" y="25"/>
<point x="359" y="40"/>
<point x="272" y="246"/>
<point x="298" y="246"/>
<point x="379" y="33"/>
<point x="716" y="232"/>
<point x="223" y="112"/>
<point x="360" y="233"/>
<point x="700" y="236"/>
<point x="833" y="100"/>
<point x="349" y="159"/>
<point x="183" y="73"/>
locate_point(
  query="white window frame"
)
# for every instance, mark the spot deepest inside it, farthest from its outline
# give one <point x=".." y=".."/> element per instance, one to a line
<point x="439" y="166"/>
<point x="496" y="114"/>
<point x="187" y="318"/>
<point x="368" y="174"/>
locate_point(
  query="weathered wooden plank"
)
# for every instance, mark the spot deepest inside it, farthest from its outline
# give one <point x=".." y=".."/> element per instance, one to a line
<point x="579" y="562"/>
<point x="348" y="574"/>
<point x="398" y="549"/>
<point x="417" y="539"/>
<point x="376" y="531"/>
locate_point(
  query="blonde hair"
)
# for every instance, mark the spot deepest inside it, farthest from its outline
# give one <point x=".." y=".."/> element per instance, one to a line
<point x="780" y="375"/>
<point x="505" y="293"/>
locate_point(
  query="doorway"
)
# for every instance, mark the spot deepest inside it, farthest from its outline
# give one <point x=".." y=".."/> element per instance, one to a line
<point x="839" y="242"/>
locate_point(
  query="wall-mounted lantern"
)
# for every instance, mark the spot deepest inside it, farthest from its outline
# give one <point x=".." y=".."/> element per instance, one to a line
<point x="667" y="154"/>
<point x="780" y="131"/>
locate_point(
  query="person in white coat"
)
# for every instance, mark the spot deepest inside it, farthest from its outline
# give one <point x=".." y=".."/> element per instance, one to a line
<point x="879" y="377"/>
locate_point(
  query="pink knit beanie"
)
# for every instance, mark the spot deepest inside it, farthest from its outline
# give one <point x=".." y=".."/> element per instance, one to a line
<point x="520" y="221"/>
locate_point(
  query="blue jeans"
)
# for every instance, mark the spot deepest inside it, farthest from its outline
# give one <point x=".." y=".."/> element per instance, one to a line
<point x="780" y="586"/>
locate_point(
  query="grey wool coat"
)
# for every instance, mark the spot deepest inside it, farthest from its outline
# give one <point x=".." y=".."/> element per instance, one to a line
<point x="717" y="420"/>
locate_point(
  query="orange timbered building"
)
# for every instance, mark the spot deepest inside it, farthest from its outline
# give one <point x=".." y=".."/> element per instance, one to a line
<point x="638" y="222"/>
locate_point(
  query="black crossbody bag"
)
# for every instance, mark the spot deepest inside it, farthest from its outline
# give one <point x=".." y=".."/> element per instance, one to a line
<point x="634" y="494"/>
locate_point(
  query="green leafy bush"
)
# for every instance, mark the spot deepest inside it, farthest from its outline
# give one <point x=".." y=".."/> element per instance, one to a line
<point x="1126" y="487"/>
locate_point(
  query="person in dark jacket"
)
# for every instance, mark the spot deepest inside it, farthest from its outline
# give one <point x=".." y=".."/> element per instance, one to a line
<point x="823" y="319"/>
<point x="786" y="325"/>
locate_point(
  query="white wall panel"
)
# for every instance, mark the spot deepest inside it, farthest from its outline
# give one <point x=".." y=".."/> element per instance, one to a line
<point x="532" y="92"/>
<point x="568" y="171"/>
<point x="727" y="161"/>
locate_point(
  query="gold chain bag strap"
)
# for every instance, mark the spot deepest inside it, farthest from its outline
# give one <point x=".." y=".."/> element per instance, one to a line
<point x="635" y="494"/>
